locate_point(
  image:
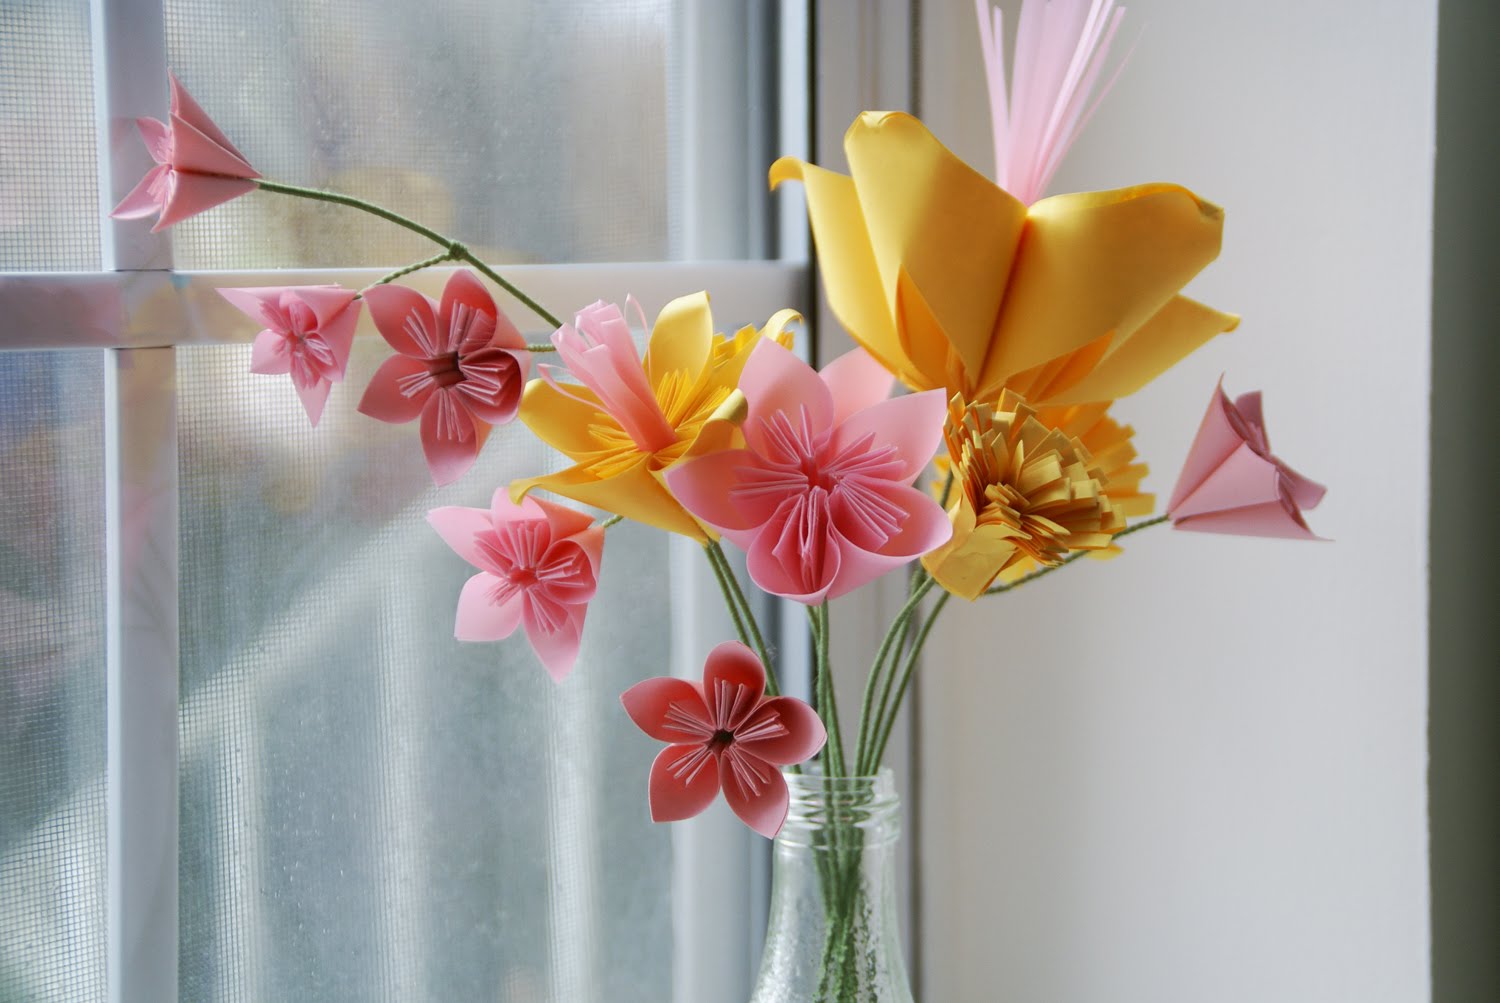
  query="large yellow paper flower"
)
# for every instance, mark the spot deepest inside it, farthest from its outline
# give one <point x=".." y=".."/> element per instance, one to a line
<point x="950" y="282"/>
<point x="1027" y="489"/>
<point x="629" y="421"/>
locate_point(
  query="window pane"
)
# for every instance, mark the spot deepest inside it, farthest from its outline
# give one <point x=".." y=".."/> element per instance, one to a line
<point x="52" y="862"/>
<point x="370" y="809"/>
<point x="531" y="131"/>
<point x="49" y="209"/>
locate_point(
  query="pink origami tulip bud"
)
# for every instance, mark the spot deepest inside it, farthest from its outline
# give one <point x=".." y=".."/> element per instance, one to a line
<point x="309" y="331"/>
<point x="538" y="568"/>
<point x="1231" y="482"/>
<point x="460" y="367"/>
<point x="1061" y="47"/>
<point x="820" y="498"/>
<point x="197" y="167"/>
<point x="723" y="734"/>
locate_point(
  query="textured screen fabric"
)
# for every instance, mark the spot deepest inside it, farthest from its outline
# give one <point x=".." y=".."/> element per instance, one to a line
<point x="49" y="207"/>
<point x="370" y="809"/>
<point x="530" y="131"/>
<point x="52" y="864"/>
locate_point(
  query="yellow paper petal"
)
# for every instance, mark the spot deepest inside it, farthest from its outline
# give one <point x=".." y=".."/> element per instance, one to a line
<point x="846" y="261"/>
<point x="560" y="421"/>
<point x="1177" y="329"/>
<point x="952" y="229"/>
<point x="1098" y="263"/>
<point x="636" y="493"/>
<point x="682" y="338"/>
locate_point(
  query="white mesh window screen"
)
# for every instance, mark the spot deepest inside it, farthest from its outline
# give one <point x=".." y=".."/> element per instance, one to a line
<point x="370" y="809"/>
<point x="531" y="131"/>
<point x="52" y="809"/>
<point x="48" y="167"/>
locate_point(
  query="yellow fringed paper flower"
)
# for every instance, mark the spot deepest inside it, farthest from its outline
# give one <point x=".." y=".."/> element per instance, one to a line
<point x="951" y="282"/>
<point x="1026" y="494"/>
<point x="631" y="420"/>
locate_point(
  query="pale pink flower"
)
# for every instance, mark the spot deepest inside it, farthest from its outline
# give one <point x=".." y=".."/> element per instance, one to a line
<point x="1231" y="482"/>
<point x="460" y="366"/>
<point x="820" y="497"/>
<point x="309" y="331"/>
<point x="1060" y="51"/>
<point x="538" y="568"/>
<point x="724" y="734"/>
<point x="197" y="167"/>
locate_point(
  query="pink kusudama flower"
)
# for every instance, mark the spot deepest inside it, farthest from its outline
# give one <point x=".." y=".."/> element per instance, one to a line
<point x="724" y="734"/>
<point x="538" y="568"/>
<point x="197" y="167"/>
<point x="309" y="331"/>
<point x="820" y="498"/>
<point x="460" y="367"/>
<point x="1231" y="482"/>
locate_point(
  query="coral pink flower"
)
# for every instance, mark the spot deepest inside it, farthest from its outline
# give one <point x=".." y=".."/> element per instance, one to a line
<point x="1231" y="482"/>
<point x="724" y="733"/>
<point x="820" y="498"/>
<point x="197" y="167"/>
<point x="538" y="568"/>
<point x="460" y="367"/>
<point x="309" y="332"/>
<point x="1061" y="47"/>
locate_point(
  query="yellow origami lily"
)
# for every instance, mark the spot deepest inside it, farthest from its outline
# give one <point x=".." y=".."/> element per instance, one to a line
<point x="951" y="282"/>
<point x="631" y="420"/>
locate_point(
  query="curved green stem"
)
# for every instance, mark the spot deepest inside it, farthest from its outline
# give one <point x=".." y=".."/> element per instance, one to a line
<point x="1043" y="572"/>
<point x="833" y="752"/>
<point x="890" y="647"/>
<point x="884" y="734"/>
<point x="436" y="259"/>
<point x="454" y="248"/>
<point x="740" y="612"/>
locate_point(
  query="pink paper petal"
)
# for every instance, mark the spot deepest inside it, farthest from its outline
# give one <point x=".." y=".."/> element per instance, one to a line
<point x="756" y="791"/>
<point x="461" y="529"/>
<point x="313" y="396"/>
<point x="1215" y="441"/>
<point x="189" y="194"/>
<point x="194" y="152"/>
<point x="184" y="107"/>
<point x="384" y="399"/>
<point x="684" y="781"/>
<point x="569" y="573"/>
<point x="328" y="303"/>
<point x="1305" y="493"/>
<point x="142" y="200"/>
<point x="912" y="424"/>
<point x="557" y="648"/>
<point x="1244" y="478"/>
<point x="405" y="319"/>
<point x="493" y="382"/>
<point x="804" y="734"/>
<point x="856" y="381"/>
<point x="732" y="669"/>
<point x="563" y="520"/>
<point x="157" y="137"/>
<point x="774" y="380"/>
<point x="270" y="354"/>
<point x="796" y="567"/>
<point x="1271" y="519"/>
<point x="668" y="709"/>
<point x="479" y="617"/>
<point x="712" y="488"/>
<point x="858" y="567"/>
<point x="466" y="315"/>
<point x="451" y="439"/>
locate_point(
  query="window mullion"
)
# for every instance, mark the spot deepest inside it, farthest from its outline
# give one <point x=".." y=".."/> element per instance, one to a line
<point x="141" y="504"/>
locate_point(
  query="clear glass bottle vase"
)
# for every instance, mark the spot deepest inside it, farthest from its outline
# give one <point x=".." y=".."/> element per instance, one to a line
<point x="832" y="935"/>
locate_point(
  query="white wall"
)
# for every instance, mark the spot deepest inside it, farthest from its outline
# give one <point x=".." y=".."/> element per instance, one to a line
<point x="1197" y="773"/>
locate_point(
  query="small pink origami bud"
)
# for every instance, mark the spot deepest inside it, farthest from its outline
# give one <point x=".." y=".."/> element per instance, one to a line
<point x="197" y="167"/>
<point x="309" y="332"/>
<point x="1231" y="482"/>
<point x="723" y="734"/>
<point x="538" y="568"/>
<point x="460" y="367"/>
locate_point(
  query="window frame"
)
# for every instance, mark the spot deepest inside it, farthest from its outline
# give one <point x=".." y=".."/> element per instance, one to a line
<point x="822" y="82"/>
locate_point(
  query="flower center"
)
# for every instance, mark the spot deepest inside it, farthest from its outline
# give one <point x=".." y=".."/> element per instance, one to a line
<point x="722" y="739"/>
<point x="444" y="369"/>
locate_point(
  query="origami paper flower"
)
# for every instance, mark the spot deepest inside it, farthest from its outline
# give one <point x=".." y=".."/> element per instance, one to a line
<point x="1231" y="482"/>
<point x="197" y="167"/>
<point x="1022" y="492"/>
<point x="630" y="421"/>
<point x="1061" y="46"/>
<point x="724" y="733"/>
<point x="538" y="568"/>
<point x="460" y="367"/>
<point x="309" y="333"/>
<point x="925" y="264"/>
<point x="820" y="498"/>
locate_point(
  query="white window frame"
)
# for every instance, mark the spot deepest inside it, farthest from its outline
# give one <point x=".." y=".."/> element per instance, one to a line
<point x="859" y="57"/>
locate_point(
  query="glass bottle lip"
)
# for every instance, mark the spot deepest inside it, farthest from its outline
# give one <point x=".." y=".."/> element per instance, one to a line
<point x="817" y="803"/>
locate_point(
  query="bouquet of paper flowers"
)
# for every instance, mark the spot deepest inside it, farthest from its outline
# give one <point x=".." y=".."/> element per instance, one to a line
<point x="1008" y="323"/>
